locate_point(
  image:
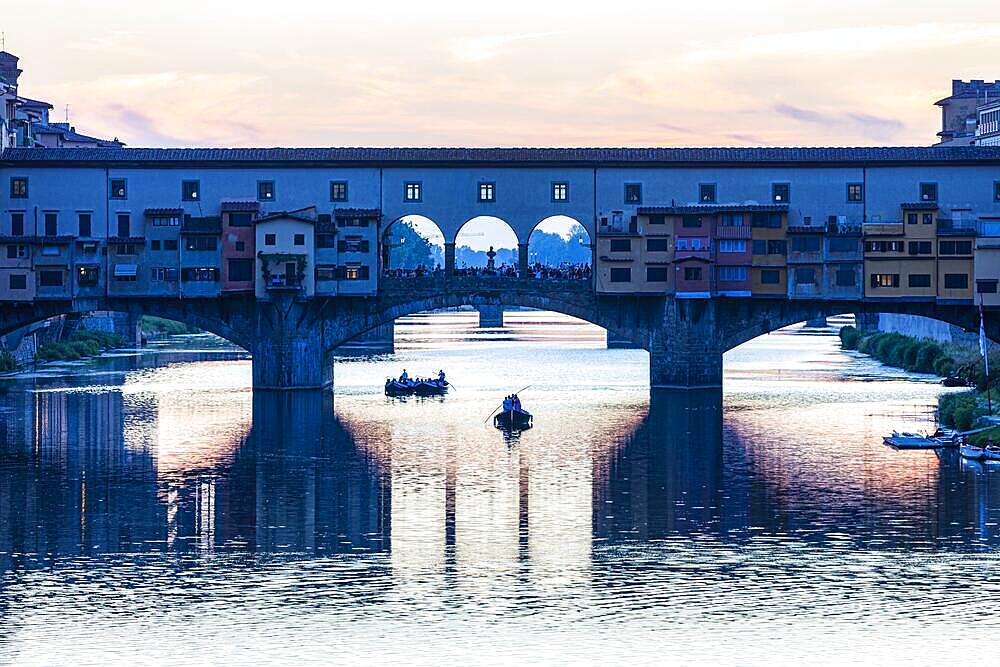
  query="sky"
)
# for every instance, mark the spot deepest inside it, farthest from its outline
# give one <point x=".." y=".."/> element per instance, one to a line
<point x="517" y="73"/>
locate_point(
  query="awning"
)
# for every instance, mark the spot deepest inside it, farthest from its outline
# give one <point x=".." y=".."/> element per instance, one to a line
<point x="126" y="270"/>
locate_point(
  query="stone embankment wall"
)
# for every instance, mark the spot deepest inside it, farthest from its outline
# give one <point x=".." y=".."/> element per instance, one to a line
<point x="922" y="327"/>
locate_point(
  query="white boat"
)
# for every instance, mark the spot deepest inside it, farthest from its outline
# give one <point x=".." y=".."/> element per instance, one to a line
<point x="970" y="451"/>
<point x="991" y="452"/>
<point x="911" y="441"/>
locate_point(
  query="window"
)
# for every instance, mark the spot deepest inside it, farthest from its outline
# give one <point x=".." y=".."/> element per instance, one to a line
<point x="326" y="240"/>
<point x="200" y="274"/>
<point x="241" y="270"/>
<point x="190" y="190"/>
<point x="696" y="244"/>
<point x="17" y="252"/>
<point x="124" y="226"/>
<point x="18" y="281"/>
<point x="87" y="276"/>
<point x="118" y="189"/>
<point x="621" y="245"/>
<point x="855" y="192"/>
<point x="996" y="190"/>
<point x="955" y="247"/>
<point x="50" y="278"/>
<point x="240" y="246"/>
<point x="884" y="280"/>
<point x="986" y="286"/>
<point x="621" y="275"/>
<point x="769" y="220"/>
<point x="733" y="274"/>
<point x="265" y="190"/>
<point x="326" y="273"/>
<point x="657" y="245"/>
<point x="633" y="193"/>
<point x="956" y="281"/>
<point x="17" y="224"/>
<point x="759" y="247"/>
<point x="777" y="247"/>
<point x="806" y="243"/>
<point x="928" y="218"/>
<point x="884" y="246"/>
<point x="299" y="239"/>
<point x="928" y="192"/>
<point x="732" y="245"/>
<point x="125" y="249"/>
<point x="734" y="220"/>
<point x="781" y="193"/>
<point x="162" y="274"/>
<point x="154" y="244"/>
<point x="691" y="221"/>
<point x="692" y="273"/>
<point x="18" y="187"/>
<point x="166" y="221"/>
<point x="338" y="190"/>
<point x="845" y="278"/>
<point x="919" y="280"/>
<point x="200" y="243"/>
<point x="770" y="277"/>
<point x="240" y="220"/>
<point x="412" y="191"/>
<point x="270" y="239"/>
<point x="170" y="244"/>
<point x="51" y="224"/>
<point x="805" y="276"/>
<point x="920" y="247"/>
<point x="487" y="192"/>
<point x="706" y="193"/>
<point x="657" y="219"/>
<point x="911" y="218"/>
<point x="656" y="274"/>
<point x="839" y="244"/>
<point x="682" y="244"/>
<point x="560" y="191"/>
<point x="85" y="224"/>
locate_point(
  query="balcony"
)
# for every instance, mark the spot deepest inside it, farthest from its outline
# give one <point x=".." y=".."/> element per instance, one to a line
<point x="957" y="228"/>
<point x="731" y="232"/>
<point x="884" y="229"/>
<point x="206" y="225"/>
<point x="280" y="282"/>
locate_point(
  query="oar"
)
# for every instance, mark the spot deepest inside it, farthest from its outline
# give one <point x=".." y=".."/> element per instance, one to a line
<point x="501" y="405"/>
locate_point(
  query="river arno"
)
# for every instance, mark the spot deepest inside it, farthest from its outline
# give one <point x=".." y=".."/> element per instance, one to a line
<point x="157" y="512"/>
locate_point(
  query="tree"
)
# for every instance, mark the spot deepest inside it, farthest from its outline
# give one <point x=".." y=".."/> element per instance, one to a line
<point x="409" y="249"/>
<point x="554" y="249"/>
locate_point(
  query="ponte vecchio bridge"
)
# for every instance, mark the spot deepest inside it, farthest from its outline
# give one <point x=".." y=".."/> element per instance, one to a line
<point x="695" y="251"/>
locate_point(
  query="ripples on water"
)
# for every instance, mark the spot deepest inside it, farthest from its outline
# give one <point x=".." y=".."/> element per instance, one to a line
<point x="154" y="511"/>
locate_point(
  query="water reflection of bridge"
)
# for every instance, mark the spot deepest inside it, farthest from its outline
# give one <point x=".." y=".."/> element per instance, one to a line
<point x="86" y="473"/>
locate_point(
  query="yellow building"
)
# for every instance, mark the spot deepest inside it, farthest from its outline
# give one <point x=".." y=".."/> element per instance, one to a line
<point x="769" y="253"/>
<point x="956" y="245"/>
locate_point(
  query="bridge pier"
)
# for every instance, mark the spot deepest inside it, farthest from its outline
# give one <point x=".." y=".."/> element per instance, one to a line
<point x="289" y="350"/>
<point x="522" y="260"/>
<point x="684" y="352"/>
<point x="490" y="316"/>
<point x="449" y="260"/>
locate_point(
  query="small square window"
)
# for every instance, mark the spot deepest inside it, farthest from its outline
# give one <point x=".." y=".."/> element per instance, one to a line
<point x="300" y="239"/>
<point x="855" y="192"/>
<point x="412" y="191"/>
<point x="19" y="187"/>
<point x="17" y="224"/>
<point x="996" y="190"/>
<point x="119" y="190"/>
<point x="85" y="224"/>
<point x="706" y="193"/>
<point x="241" y="246"/>
<point x="487" y="192"/>
<point x="190" y="190"/>
<point x="928" y="218"/>
<point x="911" y="218"/>
<point x="633" y="193"/>
<point x="170" y="244"/>
<point x="154" y="244"/>
<point x="928" y="192"/>
<point x="560" y="191"/>
<point x="270" y="239"/>
<point x="338" y="190"/>
<point x="265" y="190"/>
<point x="18" y="281"/>
<point x="781" y="193"/>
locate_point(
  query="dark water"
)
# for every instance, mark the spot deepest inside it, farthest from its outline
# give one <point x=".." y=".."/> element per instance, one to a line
<point x="154" y="511"/>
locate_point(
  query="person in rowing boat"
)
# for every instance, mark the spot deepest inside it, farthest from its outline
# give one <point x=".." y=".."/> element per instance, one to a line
<point x="404" y="377"/>
<point x="508" y="404"/>
<point x="441" y="376"/>
<point x="516" y="402"/>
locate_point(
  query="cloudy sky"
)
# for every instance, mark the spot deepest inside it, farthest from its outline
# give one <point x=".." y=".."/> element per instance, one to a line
<point x="429" y="73"/>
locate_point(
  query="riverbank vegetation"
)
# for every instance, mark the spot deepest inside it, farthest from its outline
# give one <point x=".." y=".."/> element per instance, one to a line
<point x="155" y="327"/>
<point x="83" y="343"/>
<point x="8" y="362"/>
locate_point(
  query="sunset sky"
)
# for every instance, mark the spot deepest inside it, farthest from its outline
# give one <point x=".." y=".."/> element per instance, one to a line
<point x="428" y="73"/>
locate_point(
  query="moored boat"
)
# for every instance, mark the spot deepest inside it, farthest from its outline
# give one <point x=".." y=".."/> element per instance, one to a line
<point x="971" y="451"/>
<point x="991" y="452"/>
<point x="513" y="420"/>
<point x="911" y="441"/>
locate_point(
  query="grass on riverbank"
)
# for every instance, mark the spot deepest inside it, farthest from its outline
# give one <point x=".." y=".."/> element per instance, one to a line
<point x="83" y="343"/>
<point x="157" y="326"/>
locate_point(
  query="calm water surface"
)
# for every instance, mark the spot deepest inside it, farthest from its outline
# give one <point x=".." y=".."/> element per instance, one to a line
<point x="154" y="511"/>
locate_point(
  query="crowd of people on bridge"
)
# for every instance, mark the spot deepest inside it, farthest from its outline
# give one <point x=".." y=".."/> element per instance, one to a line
<point x="539" y="271"/>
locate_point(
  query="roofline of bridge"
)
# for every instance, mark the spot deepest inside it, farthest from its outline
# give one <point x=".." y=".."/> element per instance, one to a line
<point x="580" y="158"/>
